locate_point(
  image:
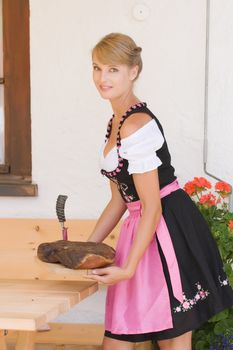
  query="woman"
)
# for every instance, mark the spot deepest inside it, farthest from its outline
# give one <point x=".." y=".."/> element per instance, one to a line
<point x="168" y="276"/>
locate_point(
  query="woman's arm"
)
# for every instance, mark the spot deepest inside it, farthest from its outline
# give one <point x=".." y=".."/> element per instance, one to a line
<point x="109" y="217"/>
<point x="147" y="186"/>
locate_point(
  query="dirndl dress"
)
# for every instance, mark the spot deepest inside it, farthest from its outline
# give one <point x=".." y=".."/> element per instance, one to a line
<point x="179" y="282"/>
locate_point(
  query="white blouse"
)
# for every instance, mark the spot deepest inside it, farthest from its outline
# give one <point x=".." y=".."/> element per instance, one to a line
<point x="138" y="148"/>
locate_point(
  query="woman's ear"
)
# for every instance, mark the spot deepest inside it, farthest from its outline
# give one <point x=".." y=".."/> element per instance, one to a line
<point x="134" y="72"/>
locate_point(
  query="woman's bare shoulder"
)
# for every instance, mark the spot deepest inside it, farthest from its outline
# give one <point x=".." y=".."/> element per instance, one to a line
<point x="133" y="123"/>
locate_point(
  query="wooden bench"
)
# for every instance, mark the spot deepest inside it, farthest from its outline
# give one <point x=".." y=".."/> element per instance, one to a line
<point x="27" y="277"/>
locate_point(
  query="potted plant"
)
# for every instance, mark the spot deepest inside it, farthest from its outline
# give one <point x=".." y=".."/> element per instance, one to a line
<point x="212" y="201"/>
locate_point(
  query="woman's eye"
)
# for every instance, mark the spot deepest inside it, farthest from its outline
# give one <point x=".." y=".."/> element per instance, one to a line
<point x="112" y="70"/>
<point x="95" y="68"/>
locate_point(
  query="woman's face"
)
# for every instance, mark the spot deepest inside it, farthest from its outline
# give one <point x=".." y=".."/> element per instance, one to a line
<point x="113" y="81"/>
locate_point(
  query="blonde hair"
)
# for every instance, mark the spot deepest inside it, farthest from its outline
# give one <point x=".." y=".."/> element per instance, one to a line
<point x="117" y="48"/>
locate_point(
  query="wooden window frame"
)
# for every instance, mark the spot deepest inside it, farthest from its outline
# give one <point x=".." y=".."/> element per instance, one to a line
<point x="15" y="174"/>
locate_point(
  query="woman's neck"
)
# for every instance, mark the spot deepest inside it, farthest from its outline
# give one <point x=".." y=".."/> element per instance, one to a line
<point x="122" y="104"/>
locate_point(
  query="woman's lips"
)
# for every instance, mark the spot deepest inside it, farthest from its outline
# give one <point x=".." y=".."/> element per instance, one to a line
<point x="105" y="87"/>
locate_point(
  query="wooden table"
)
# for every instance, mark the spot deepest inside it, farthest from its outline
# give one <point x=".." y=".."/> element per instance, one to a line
<point x="28" y="305"/>
<point x="33" y="292"/>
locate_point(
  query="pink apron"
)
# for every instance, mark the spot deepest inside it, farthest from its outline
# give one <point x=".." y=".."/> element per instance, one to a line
<point x="141" y="304"/>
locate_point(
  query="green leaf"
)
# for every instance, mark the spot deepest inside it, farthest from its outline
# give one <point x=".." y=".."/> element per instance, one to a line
<point x="230" y="278"/>
<point x="220" y="316"/>
<point x="228" y="269"/>
<point x="201" y="345"/>
<point x="224" y="327"/>
<point x="210" y="338"/>
<point x="219" y="328"/>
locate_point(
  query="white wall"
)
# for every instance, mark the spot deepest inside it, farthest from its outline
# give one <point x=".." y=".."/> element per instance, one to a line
<point x="68" y="116"/>
<point x="220" y="96"/>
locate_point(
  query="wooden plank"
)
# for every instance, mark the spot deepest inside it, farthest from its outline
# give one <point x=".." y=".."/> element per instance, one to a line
<point x="73" y="334"/>
<point x="67" y="333"/>
<point x="79" y="288"/>
<point x="27" y="317"/>
<point x="78" y="334"/>
<point x="25" y="341"/>
<point x="61" y="298"/>
<point x="29" y="305"/>
<point x="9" y="304"/>
<point x="18" y="190"/>
<point x="21" y="237"/>
<point x="2" y="340"/>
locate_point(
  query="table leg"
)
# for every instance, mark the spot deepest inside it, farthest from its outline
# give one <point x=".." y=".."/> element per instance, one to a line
<point x="25" y="340"/>
<point x="2" y="340"/>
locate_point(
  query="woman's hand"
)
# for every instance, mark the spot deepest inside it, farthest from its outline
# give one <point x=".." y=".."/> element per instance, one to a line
<point x="109" y="275"/>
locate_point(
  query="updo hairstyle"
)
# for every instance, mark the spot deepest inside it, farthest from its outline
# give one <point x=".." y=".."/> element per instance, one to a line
<point x="117" y="48"/>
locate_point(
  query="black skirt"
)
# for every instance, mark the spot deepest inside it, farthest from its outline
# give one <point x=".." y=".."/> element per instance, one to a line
<point x="205" y="285"/>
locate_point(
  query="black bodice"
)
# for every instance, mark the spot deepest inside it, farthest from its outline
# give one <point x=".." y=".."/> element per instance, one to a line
<point x="120" y="175"/>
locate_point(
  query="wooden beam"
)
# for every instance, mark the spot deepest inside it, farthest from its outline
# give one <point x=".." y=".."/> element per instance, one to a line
<point x="19" y="189"/>
<point x="73" y="334"/>
<point x="2" y="340"/>
<point x="25" y="340"/>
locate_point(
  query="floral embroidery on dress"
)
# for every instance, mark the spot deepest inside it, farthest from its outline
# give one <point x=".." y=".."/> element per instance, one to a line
<point x="123" y="188"/>
<point x="224" y="282"/>
<point x="188" y="304"/>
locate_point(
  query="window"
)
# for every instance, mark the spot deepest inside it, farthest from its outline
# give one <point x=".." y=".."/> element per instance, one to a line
<point x="15" y="121"/>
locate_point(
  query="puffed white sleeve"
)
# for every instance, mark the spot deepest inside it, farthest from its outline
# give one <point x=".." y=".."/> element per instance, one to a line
<point x="140" y="148"/>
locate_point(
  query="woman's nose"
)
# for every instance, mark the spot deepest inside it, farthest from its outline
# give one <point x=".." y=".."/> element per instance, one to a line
<point x="103" y="76"/>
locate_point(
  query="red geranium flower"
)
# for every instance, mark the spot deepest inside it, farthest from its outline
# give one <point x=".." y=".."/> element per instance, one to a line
<point x="201" y="183"/>
<point x="223" y="188"/>
<point x="190" y="188"/>
<point x="208" y="200"/>
<point x="230" y="224"/>
<point x="198" y="184"/>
